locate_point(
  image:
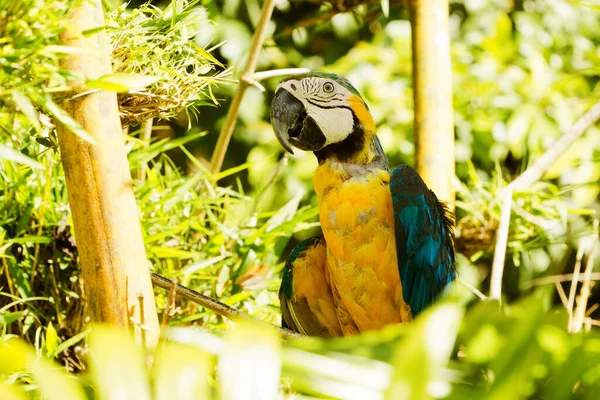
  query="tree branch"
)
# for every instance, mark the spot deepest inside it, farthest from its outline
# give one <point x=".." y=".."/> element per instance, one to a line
<point x="213" y="305"/>
<point x="232" y="114"/>
<point x="535" y="172"/>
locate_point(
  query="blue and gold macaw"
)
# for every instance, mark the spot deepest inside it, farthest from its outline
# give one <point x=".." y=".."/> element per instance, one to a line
<point x="386" y="251"/>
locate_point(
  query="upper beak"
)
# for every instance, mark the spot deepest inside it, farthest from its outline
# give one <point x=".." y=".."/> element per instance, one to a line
<point x="286" y="112"/>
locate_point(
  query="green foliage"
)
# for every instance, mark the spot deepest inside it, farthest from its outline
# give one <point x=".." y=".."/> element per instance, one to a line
<point x="518" y="351"/>
<point x="523" y="73"/>
<point x="151" y="42"/>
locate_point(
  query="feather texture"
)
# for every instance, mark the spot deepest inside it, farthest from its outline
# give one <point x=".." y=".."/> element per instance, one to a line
<point x="424" y="239"/>
<point x="305" y="295"/>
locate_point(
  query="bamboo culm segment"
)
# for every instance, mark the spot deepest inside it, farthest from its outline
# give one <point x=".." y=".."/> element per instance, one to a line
<point x="105" y="215"/>
<point x="432" y="76"/>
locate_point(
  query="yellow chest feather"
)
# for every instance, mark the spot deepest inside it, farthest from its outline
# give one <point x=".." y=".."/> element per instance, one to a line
<point x="357" y="219"/>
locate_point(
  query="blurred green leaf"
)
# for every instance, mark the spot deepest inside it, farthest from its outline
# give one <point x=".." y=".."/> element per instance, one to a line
<point x="117" y="365"/>
<point x="181" y="372"/>
<point x="250" y="365"/>
<point x="13" y="155"/>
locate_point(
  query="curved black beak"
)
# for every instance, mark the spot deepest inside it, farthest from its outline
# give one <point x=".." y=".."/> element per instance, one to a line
<point x="286" y="112"/>
<point x="292" y="125"/>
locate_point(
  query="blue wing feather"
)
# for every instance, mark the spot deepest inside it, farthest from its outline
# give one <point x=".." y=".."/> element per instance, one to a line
<point x="424" y="239"/>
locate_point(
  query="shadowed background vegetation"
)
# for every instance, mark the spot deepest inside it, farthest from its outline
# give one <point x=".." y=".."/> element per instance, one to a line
<point x="523" y="73"/>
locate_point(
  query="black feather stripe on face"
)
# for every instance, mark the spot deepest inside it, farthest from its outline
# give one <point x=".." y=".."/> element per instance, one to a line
<point x="345" y="150"/>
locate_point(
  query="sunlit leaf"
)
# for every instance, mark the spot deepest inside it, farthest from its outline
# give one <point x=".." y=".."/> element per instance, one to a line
<point x="54" y="383"/>
<point x="52" y="339"/>
<point x="250" y="365"/>
<point x="64" y="117"/>
<point x="11" y="392"/>
<point x="13" y="155"/>
<point x="421" y="357"/>
<point x="117" y="365"/>
<point x="181" y="372"/>
<point x="119" y="82"/>
<point x="26" y="107"/>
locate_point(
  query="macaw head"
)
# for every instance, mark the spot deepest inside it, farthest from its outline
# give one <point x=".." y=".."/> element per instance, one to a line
<point x="321" y="112"/>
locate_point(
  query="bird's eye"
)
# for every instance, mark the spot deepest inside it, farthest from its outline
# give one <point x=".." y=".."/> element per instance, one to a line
<point x="328" y="87"/>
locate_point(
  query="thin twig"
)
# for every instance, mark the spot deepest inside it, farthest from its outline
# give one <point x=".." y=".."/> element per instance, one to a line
<point x="574" y="280"/>
<point x="501" y="243"/>
<point x="255" y="79"/>
<point x="147" y="135"/>
<point x="546" y="280"/>
<point x="232" y="114"/>
<point x="170" y="304"/>
<point x="472" y="288"/>
<point x="214" y="305"/>
<point x="535" y="172"/>
<point x="328" y="15"/>
<point x="262" y="75"/>
<point x="584" y="294"/>
<point x="561" y="293"/>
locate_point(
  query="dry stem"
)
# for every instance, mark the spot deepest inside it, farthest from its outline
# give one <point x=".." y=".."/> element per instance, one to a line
<point x="214" y="305"/>
<point x="535" y="172"/>
<point x="501" y="242"/>
<point x="232" y="114"/>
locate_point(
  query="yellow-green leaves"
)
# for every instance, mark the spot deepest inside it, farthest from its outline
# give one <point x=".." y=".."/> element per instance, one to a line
<point x="421" y="357"/>
<point x="181" y="372"/>
<point x="120" y="82"/>
<point x="10" y="154"/>
<point x="52" y="339"/>
<point x="250" y="365"/>
<point x="52" y="380"/>
<point x="117" y="365"/>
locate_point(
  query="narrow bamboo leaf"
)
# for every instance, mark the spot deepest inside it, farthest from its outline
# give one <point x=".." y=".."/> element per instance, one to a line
<point x="63" y="117"/>
<point x="31" y="239"/>
<point x="9" y="318"/>
<point x="119" y="82"/>
<point x="166" y="252"/>
<point x="70" y="342"/>
<point x="10" y="154"/>
<point x="232" y="171"/>
<point x="181" y="372"/>
<point x="206" y="55"/>
<point x="198" y="265"/>
<point x="250" y="365"/>
<point x="144" y="155"/>
<point x="27" y="108"/>
<point x="117" y="366"/>
<point x="286" y="212"/>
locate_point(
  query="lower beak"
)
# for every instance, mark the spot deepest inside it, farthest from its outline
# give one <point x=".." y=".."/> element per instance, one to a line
<point x="286" y="113"/>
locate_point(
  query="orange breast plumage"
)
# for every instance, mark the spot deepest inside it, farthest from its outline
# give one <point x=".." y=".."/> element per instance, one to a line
<point x="357" y="219"/>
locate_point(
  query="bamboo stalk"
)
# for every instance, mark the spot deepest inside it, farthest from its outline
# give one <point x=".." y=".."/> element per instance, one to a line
<point x="432" y="91"/>
<point x="245" y="80"/>
<point x="105" y="215"/>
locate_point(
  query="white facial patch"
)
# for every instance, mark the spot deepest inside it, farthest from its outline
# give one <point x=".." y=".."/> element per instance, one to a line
<point x="328" y="109"/>
<point x="335" y="123"/>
